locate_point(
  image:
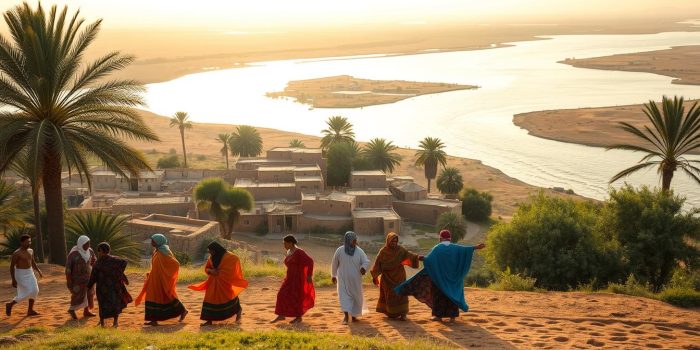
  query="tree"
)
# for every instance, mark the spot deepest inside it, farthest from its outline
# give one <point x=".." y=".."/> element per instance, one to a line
<point x="225" y="139"/>
<point x="339" y="130"/>
<point x="453" y="222"/>
<point x="103" y="227"/>
<point x="296" y="143"/>
<point x="380" y="154"/>
<point x="168" y="162"/>
<point x="181" y="120"/>
<point x="22" y="167"/>
<point x="223" y="202"/>
<point x="673" y="134"/>
<point x="655" y="235"/>
<point x="10" y="214"/>
<point x="450" y="182"/>
<point x="476" y="206"/>
<point x="64" y="114"/>
<point x="246" y="142"/>
<point x="431" y="155"/>
<point x="340" y="163"/>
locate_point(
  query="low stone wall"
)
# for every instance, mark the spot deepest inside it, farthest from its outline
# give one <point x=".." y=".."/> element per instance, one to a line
<point x="180" y="238"/>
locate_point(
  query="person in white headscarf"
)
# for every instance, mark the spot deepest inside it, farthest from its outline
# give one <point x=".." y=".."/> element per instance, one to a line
<point x="350" y="263"/>
<point x="78" y="268"/>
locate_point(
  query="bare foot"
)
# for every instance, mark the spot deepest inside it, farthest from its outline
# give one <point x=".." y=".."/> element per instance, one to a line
<point x="239" y="315"/>
<point x="208" y="323"/>
<point x="73" y="315"/>
<point x="435" y="318"/>
<point x="8" y="309"/>
<point x="184" y="313"/>
<point x="355" y="319"/>
<point x="296" y="320"/>
<point x="345" y="321"/>
<point x="279" y="318"/>
<point x="32" y="313"/>
<point x="101" y="324"/>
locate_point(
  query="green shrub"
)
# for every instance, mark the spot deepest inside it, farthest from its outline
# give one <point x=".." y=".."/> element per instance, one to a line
<point x="476" y="206"/>
<point x="261" y="228"/>
<point x="167" y="162"/>
<point x="340" y="161"/>
<point x="631" y="287"/>
<point x="172" y="151"/>
<point x="683" y="297"/>
<point x="513" y="282"/>
<point x="322" y="279"/>
<point x="183" y="258"/>
<point x="12" y="236"/>
<point x="684" y="278"/>
<point x="453" y="222"/>
<point x="103" y="227"/>
<point x="201" y="157"/>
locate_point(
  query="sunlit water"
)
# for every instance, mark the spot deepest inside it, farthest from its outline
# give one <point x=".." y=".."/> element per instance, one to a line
<point x="473" y="123"/>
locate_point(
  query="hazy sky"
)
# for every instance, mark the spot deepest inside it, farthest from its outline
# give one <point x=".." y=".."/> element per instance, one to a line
<point x="241" y="14"/>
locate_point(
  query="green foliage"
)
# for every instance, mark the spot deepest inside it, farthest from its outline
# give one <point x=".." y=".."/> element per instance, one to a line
<point x="245" y="142"/>
<point x="172" y="151"/>
<point x="223" y="202"/>
<point x="652" y="231"/>
<point x="262" y="228"/>
<point x="631" y="287"/>
<point x="182" y="121"/>
<point x="683" y="297"/>
<point x="450" y="181"/>
<point x="10" y="213"/>
<point x="169" y="162"/>
<point x="340" y="159"/>
<point x="11" y="241"/>
<point x="338" y="130"/>
<point x="554" y="240"/>
<point x="476" y="206"/>
<point x="380" y="155"/>
<point x="453" y="222"/>
<point x="201" y="157"/>
<point x="103" y="227"/>
<point x="684" y="278"/>
<point x="296" y="143"/>
<point x="183" y="258"/>
<point x="225" y="139"/>
<point x="430" y="155"/>
<point x="513" y="282"/>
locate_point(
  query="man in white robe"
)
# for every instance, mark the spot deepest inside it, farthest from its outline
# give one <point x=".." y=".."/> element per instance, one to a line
<point x="350" y="263"/>
<point x="22" y="269"/>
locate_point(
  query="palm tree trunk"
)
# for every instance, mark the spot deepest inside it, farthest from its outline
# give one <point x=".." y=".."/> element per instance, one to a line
<point x="54" y="208"/>
<point x="184" y="152"/>
<point x="666" y="178"/>
<point x="37" y="225"/>
<point x="428" y="184"/>
<point x="227" y="160"/>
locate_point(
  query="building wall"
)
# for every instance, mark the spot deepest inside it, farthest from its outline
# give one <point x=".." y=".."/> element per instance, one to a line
<point x="368" y="181"/>
<point x="422" y="213"/>
<point x="373" y="201"/>
<point x="368" y="226"/>
<point x="150" y="185"/>
<point x="104" y="182"/>
<point x="309" y="187"/>
<point x="188" y="242"/>
<point x="306" y="223"/>
<point x="174" y="209"/>
<point x="276" y="176"/>
<point x="326" y="207"/>
<point x="249" y="222"/>
<point x="270" y="193"/>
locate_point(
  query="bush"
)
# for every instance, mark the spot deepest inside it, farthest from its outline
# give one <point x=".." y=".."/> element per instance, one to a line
<point x="683" y="297"/>
<point x="103" y="227"/>
<point x="553" y="240"/>
<point x="183" y="258"/>
<point x="507" y="281"/>
<point x="201" y="157"/>
<point x="261" y="228"/>
<point x="340" y="159"/>
<point x="476" y="206"/>
<point x="684" y="278"/>
<point x="12" y="237"/>
<point x="631" y="287"/>
<point x="172" y="151"/>
<point x="453" y="222"/>
<point x="168" y="162"/>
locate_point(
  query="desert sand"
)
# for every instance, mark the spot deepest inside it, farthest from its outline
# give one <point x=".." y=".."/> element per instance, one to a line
<point x="497" y="320"/>
<point x="344" y="91"/>
<point x="681" y="63"/>
<point x="587" y="126"/>
<point x="203" y="151"/>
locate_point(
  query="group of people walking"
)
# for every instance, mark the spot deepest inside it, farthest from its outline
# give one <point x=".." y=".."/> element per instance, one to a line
<point x="440" y="284"/>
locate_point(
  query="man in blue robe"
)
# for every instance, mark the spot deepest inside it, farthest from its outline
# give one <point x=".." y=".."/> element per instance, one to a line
<point x="440" y="284"/>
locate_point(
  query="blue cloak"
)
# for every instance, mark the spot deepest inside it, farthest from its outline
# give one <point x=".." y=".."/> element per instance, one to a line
<point x="446" y="265"/>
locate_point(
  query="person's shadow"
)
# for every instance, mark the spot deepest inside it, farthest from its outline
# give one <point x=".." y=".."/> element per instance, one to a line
<point x="164" y="328"/>
<point x="460" y="333"/>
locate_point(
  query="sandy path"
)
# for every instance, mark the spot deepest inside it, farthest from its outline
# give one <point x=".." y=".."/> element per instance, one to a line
<point x="503" y="320"/>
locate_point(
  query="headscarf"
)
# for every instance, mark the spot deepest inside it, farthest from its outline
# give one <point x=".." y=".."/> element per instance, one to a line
<point x="349" y="237"/>
<point x="390" y="237"/>
<point x="445" y="235"/>
<point x="79" y="247"/>
<point x="218" y="252"/>
<point x="162" y="244"/>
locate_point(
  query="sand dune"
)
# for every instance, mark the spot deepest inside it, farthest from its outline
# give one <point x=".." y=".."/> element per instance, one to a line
<point x="497" y="320"/>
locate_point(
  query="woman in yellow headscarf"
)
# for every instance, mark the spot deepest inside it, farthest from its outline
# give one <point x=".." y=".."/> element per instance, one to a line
<point x="388" y="272"/>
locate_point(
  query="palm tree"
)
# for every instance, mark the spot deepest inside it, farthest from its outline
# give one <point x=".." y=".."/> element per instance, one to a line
<point x="182" y="121"/>
<point x="246" y="142"/>
<point x="22" y="167"/>
<point x="450" y="182"/>
<point x="12" y="239"/>
<point x="339" y="130"/>
<point x="296" y="143"/>
<point x="674" y="133"/>
<point x="10" y="213"/>
<point x="430" y="156"/>
<point x="223" y="202"/>
<point x="61" y="112"/>
<point x="453" y="222"/>
<point x="103" y="227"/>
<point x="224" y="139"/>
<point x="381" y="155"/>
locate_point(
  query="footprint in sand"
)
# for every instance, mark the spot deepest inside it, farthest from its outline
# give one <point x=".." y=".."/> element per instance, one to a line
<point x="598" y="324"/>
<point x="561" y="339"/>
<point x="618" y="338"/>
<point x="595" y="343"/>
<point x="637" y="331"/>
<point x="480" y="320"/>
<point x="666" y="336"/>
<point x="500" y="324"/>
<point x="653" y="346"/>
<point x="552" y="322"/>
<point x="511" y="330"/>
<point x="691" y="333"/>
<point x="664" y="328"/>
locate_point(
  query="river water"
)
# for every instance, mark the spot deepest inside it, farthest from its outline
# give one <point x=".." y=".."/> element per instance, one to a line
<point x="477" y="123"/>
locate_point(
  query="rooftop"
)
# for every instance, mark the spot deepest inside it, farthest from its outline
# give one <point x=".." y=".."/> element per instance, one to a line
<point x="152" y="200"/>
<point x="409" y="187"/>
<point x="307" y="168"/>
<point x="375" y="213"/>
<point x="435" y="202"/>
<point x="307" y="178"/>
<point x="283" y="208"/>
<point x="252" y="183"/>
<point x="367" y="173"/>
<point x="333" y="196"/>
<point x="296" y="150"/>
<point x="276" y="168"/>
<point x="262" y="160"/>
<point x="369" y="192"/>
<point x="327" y="217"/>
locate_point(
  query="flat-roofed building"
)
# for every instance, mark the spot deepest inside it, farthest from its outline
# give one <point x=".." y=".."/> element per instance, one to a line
<point x="367" y="179"/>
<point x="371" y="198"/>
<point x="375" y="221"/>
<point x="426" y="211"/>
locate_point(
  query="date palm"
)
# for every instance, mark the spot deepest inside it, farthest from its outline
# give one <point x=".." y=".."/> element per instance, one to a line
<point x="245" y="142"/>
<point x="104" y="227"/>
<point x="339" y="130"/>
<point x="22" y="168"/>
<point x="450" y="182"/>
<point x="223" y="201"/>
<point x="182" y="121"/>
<point x="380" y="154"/>
<point x="673" y="134"/>
<point x="62" y="111"/>
<point x="296" y="143"/>
<point x="430" y="156"/>
<point x="224" y="139"/>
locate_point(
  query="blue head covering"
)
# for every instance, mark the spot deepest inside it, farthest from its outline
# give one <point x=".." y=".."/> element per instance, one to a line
<point x="162" y="244"/>
<point x="349" y="237"/>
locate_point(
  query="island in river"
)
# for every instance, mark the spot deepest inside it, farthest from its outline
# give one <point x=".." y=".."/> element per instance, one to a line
<point x="344" y="91"/>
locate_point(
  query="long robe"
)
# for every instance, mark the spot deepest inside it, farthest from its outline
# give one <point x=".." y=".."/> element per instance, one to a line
<point x="159" y="289"/>
<point x="222" y="290"/>
<point x="27" y="285"/>
<point x="110" y="281"/>
<point x="296" y="295"/>
<point x="346" y="269"/>
<point x="78" y="275"/>
<point x="440" y="284"/>
<point x="389" y="268"/>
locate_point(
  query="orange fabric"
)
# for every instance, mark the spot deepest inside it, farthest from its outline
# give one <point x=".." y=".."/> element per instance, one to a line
<point x="160" y="284"/>
<point x="226" y="285"/>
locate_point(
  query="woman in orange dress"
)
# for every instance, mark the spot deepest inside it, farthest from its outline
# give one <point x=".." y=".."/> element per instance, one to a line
<point x="222" y="287"/>
<point x="159" y="289"/>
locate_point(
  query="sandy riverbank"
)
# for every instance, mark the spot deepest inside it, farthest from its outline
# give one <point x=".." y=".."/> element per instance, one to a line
<point x="497" y="320"/>
<point x="203" y="151"/>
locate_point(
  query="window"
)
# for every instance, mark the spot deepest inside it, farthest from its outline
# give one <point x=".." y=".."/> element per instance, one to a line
<point x="361" y="205"/>
<point x="391" y="224"/>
